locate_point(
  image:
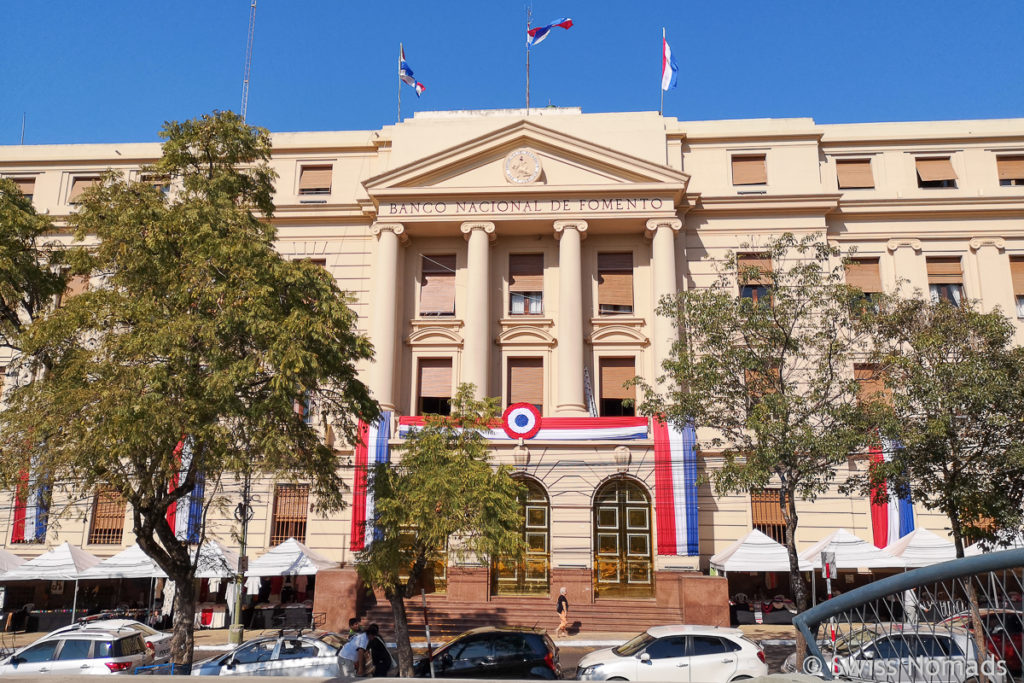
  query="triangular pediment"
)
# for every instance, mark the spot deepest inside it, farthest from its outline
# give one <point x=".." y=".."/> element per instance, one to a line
<point x="565" y="161"/>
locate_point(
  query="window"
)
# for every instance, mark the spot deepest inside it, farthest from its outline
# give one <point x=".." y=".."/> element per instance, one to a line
<point x="315" y="179"/>
<point x="1011" y="170"/>
<point x="437" y="285"/>
<point x="935" y="172"/>
<point x="708" y="645"/>
<point x="27" y="186"/>
<point x="435" y="386"/>
<point x="43" y="652"/>
<point x="526" y="381"/>
<point x="749" y="169"/>
<point x="758" y="384"/>
<point x="79" y="185"/>
<point x="291" y="502"/>
<point x="667" y="648"/>
<point x="1017" y="273"/>
<point x="766" y="513"/>
<point x="77" y="284"/>
<point x="75" y="649"/>
<point x="107" y="517"/>
<point x="525" y="284"/>
<point x="863" y="274"/>
<point x="854" y="174"/>
<point x="945" y="279"/>
<point x="614" y="373"/>
<point x="614" y="284"/>
<point x="160" y="183"/>
<point x="870" y="384"/>
<point x="754" y="275"/>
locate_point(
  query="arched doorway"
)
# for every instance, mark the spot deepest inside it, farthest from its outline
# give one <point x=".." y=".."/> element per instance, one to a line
<point x="530" y="575"/>
<point x="623" y="564"/>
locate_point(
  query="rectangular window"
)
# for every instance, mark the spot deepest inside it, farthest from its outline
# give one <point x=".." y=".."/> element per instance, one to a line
<point x="854" y="174"/>
<point x="766" y="514"/>
<point x="437" y="285"/>
<point x="27" y="186"/>
<point x="107" y="517"/>
<point x="1017" y="273"/>
<point x="315" y="179"/>
<point x="160" y="183"/>
<point x="79" y="185"/>
<point x="749" y="169"/>
<point x="758" y="384"/>
<point x="863" y="274"/>
<point x="1011" y="170"/>
<point x="945" y="279"/>
<point x="935" y="172"/>
<point x="435" y="386"/>
<point x="77" y="284"/>
<point x="869" y="381"/>
<point x="614" y="284"/>
<point x="526" y="284"/>
<point x="615" y="372"/>
<point x="526" y="381"/>
<point x="291" y="505"/>
<point x="754" y="274"/>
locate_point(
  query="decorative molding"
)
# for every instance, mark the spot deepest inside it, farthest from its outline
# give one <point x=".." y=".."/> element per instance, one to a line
<point x="673" y="224"/>
<point x="618" y="332"/>
<point x="377" y="228"/>
<point x="469" y="226"/>
<point x="912" y="243"/>
<point x="522" y="166"/>
<point x="979" y="242"/>
<point x="578" y="225"/>
<point x="435" y="333"/>
<point x="623" y="457"/>
<point x="526" y="333"/>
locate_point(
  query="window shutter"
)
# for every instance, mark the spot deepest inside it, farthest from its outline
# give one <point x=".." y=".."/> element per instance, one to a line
<point x="1010" y="168"/>
<point x="614" y="373"/>
<point x="291" y="505"/>
<point x="760" y="261"/>
<point x="944" y="271"/>
<point x="526" y="380"/>
<point x="27" y="186"/>
<point x="870" y="383"/>
<point x="435" y="378"/>
<point x="863" y="273"/>
<point x="437" y="288"/>
<point x="78" y="284"/>
<point x="1017" y="273"/>
<point x="749" y="170"/>
<point x="526" y="273"/>
<point x="315" y="179"/>
<point x="80" y="185"/>
<point x="615" y="279"/>
<point x="107" y="517"/>
<point x="935" y="169"/>
<point x="854" y="173"/>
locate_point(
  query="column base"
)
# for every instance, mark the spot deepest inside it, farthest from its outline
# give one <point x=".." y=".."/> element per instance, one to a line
<point x="572" y="410"/>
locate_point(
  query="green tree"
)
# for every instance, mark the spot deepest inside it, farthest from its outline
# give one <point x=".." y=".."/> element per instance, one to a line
<point x="955" y="383"/>
<point x="443" y="496"/>
<point x="768" y="375"/>
<point x="199" y="331"/>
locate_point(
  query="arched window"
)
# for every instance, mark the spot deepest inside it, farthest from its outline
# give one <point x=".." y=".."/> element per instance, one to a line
<point x="530" y="575"/>
<point x="623" y="564"/>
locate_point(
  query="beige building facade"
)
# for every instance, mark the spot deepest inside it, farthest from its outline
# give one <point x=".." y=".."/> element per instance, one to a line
<point x="525" y="253"/>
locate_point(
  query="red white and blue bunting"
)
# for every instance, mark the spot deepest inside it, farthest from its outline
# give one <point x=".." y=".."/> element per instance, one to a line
<point x="556" y="428"/>
<point x="373" y="443"/>
<point x="675" y="489"/>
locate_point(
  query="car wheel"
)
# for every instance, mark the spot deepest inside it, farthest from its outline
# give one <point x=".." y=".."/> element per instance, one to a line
<point x="740" y="678"/>
<point x="616" y="678"/>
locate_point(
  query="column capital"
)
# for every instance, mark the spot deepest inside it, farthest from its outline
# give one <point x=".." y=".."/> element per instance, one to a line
<point x="578" y="225"/>
<point x="673" y="224"/>
<point x="910" y="243"/>
<point x="978" y="242"/>
<point x="397" y="228"/>
<point x="469" y="226"/>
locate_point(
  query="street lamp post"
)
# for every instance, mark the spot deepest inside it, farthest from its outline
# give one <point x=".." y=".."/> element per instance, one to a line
<point x="243" y="514"/>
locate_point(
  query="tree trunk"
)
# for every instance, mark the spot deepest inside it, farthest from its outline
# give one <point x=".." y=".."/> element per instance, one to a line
<point x="972" y="598"/>
<point x="182" y="638"/>
<point x="396" y="597"/>
<point x="796" y="579"/>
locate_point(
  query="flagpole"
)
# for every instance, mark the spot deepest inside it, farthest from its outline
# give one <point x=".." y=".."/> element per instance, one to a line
<point x="661" y="106"/>
<point x="529" y="18"/>
<point x="399" y="83"/>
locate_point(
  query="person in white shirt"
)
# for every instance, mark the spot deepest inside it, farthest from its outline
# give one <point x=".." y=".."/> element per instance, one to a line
<point x="352" y="656"/>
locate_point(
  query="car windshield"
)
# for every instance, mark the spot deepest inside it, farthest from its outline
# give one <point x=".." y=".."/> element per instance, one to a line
<point x="631" y="647"/>
<point x="143" y="629"/>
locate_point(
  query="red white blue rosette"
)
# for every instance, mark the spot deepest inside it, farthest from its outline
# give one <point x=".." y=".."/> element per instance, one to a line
<point x="521" y="421"/>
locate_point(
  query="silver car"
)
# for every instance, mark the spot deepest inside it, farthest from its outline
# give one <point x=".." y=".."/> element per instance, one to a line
<point x="296" y="654"/>
<point x="158" y="642"/>
<point x="92" y="651"/>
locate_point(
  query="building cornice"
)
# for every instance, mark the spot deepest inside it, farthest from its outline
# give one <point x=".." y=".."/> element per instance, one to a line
<point x="931" y="207"/>
<point x="789" y="204"/>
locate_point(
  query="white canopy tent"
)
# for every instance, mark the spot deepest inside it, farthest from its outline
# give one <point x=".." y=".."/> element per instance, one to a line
<point x="755" y="552"/>
<point x="290" y="558"/>
<point x="130" y="563"/>
<point x="922" y="548"/>
<point x="63" y="563"/>
<point x="978" y="549"/>
<point x="216" y="561"/>
<point x="9" y="561"/>
<point x="852" y="552"/>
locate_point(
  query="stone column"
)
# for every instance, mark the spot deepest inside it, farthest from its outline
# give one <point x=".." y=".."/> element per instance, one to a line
<point x="662" y="232"/>
<point x="476" y="357"/>
<point x="570" y="318"/>
<point x="995" y="285"/>
<point x="909" y="270"/>
<point x="384" y="312"/>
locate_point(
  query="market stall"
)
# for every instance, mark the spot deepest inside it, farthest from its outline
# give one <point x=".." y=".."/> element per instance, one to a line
<point x="922" y="548"/>
<point x="755" y="554"/>
<point x="287" y="576"/>
<point x="65" y="563"/>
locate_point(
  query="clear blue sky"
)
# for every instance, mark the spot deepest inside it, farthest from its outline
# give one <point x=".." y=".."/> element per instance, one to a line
<point x="114" y="70"/>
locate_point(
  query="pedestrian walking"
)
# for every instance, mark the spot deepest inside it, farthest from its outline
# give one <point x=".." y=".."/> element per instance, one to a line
<point x="562" y="607"/>
<point x="352" y="656"/>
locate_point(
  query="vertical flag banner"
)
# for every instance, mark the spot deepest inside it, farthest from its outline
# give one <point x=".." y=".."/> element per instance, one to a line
<point x="31" y="511"/>
<point x="892" y="519"/>
<point x="675" y="489"/>
<point x="535" y="36"/>
<point x="185" y="515"/>
<point x="669" y="68"/>
<point x="405" y="73"/>
<point x="372" y="448"/>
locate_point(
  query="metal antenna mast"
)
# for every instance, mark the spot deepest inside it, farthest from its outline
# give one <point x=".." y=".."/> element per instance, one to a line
<point x="248" y="59"/>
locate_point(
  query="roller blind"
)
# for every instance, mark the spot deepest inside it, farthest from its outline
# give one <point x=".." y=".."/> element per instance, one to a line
<point x="614" y="373"/>
<point x="1017" y="273"/>
<point x="526" y="380"/>
<point x="526" y="273"/>
<point x="80" y="185"/>
<point x="935" y="169"/>
<point x="749" y="170"/>
<point x="615" y="279"/>
<point x="863" y="273"/>
<point x="1010" y="168"/>
<point x="854" y="173"/>
<point x="315" y="179"/>
<point x="437" y="289"/>
<point x="759" y="261"/>
<point x="77" y="284"/>
<point x="870" y="383"/>
<point x="766" y="507"/>
<point x="27" y="186"/>
<point x="945" y="270"/>
<point x="435" y="378"/>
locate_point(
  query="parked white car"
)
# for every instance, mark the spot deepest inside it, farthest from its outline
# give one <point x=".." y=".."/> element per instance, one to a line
<point x="84" y="651"/>
<point x="303" y="654"/>
<point x="689" y="654"/>
<point x="158" y="642"/>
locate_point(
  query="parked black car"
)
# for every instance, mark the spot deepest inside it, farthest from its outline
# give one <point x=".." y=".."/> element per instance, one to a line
<point x="493" y="652"/>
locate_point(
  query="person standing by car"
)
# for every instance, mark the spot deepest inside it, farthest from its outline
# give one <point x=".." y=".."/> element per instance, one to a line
<point x="352" y="655"/>
<point x="562" y="607"/>
<point x="379" y="655"/>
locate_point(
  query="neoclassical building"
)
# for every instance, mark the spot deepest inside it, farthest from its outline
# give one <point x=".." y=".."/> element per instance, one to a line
<point x="524" y="252"/>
